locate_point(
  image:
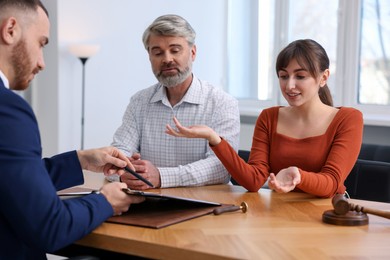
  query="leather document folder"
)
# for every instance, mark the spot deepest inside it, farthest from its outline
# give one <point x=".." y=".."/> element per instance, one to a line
<point x="158" y="211"/>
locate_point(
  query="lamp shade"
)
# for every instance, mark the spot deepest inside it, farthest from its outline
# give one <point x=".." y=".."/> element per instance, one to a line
<point x="84" y="50"/>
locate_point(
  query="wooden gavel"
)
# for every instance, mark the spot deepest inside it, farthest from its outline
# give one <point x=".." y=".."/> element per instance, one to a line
<point x="243" y="207"/>
<point x="342" y="206"/>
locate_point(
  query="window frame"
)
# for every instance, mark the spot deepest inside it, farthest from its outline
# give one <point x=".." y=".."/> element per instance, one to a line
<point x="347" y="64"/>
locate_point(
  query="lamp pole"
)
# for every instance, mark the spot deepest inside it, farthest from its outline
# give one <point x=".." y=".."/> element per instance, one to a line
<point x="83" y="52"/>
<point x="83" y="61"/>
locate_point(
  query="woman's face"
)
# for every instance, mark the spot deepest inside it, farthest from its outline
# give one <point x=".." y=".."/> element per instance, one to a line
<point x="298" y="86"/>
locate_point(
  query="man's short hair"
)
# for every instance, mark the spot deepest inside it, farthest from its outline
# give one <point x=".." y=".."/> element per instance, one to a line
<point x="170" y="25"/>
<point x="24" y="5"/>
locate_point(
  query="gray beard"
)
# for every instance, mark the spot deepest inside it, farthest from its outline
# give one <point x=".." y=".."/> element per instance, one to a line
<point x="173" y="81"/>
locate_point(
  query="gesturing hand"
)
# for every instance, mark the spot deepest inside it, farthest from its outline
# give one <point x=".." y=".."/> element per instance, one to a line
<point x="285" y="181"/>
<point x="195" y="131"/>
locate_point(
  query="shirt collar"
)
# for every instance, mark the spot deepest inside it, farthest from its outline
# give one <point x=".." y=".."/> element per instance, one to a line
<point x="193" y="95"/>
<point x="4" y="79"/>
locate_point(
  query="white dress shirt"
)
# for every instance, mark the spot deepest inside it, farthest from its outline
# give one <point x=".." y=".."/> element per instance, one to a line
<point x="4" y="79"/>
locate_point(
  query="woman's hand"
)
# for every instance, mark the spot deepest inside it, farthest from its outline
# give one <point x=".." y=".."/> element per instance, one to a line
<point x="195" y="131"/>
<point x="285" y="181"/>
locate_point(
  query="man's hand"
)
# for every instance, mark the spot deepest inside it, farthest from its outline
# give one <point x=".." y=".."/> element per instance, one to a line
<point x="118" y="199"/>
<point x="144" y="168"/>
<point x="107" y="159"/>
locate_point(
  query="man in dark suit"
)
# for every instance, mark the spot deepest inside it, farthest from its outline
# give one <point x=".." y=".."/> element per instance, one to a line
<point x="33" y="220"/>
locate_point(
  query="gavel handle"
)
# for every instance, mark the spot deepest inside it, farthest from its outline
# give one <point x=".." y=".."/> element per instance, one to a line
<point x="218" y="211"/>
<point x="377" y="212"/>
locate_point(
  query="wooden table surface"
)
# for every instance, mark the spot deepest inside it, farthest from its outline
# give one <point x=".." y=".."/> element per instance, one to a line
<point x="276" y="226"/>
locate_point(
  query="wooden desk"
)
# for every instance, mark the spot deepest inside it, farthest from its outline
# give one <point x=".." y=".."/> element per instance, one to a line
<point x="276" y="226"/>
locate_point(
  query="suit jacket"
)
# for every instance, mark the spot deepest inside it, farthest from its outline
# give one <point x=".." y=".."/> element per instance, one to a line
<point x="33" y="220"/>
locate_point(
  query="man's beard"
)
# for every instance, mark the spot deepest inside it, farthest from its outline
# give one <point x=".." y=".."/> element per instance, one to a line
<point x="173" y="81"/>
<point x="21" y="64"/>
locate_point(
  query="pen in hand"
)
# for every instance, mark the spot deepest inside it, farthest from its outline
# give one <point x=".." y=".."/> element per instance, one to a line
<point x="139" y="177"/>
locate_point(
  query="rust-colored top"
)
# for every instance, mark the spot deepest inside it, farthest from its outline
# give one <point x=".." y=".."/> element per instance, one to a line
<point x="324" y="161"/>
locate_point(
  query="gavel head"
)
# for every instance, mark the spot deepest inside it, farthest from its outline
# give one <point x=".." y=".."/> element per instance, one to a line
<point x="343" y="213"/>
<point x="340" y="204"/>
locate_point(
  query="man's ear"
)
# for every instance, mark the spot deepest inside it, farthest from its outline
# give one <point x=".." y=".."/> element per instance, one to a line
<point x="193" y="52"/>
<point x="9" y="30"/>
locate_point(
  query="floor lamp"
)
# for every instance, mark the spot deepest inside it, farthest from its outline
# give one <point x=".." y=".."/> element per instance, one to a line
<point x="83" y="52"/>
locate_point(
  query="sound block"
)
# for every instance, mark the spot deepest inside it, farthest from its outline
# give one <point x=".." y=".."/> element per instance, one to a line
<point x="352" y="218"/>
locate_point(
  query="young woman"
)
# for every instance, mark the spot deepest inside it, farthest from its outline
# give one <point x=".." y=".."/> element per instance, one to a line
<point x="309" y="145"/>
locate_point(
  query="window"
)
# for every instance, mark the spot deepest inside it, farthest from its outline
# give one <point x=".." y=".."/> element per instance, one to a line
<point x="355" y="34"/>
<point x="374" y="76"/>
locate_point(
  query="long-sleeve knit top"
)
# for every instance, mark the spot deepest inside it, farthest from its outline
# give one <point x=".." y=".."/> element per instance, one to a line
<point x="324" y="161"/>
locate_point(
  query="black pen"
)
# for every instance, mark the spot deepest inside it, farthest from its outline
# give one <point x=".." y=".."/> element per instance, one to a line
<point x="139" y="177"/>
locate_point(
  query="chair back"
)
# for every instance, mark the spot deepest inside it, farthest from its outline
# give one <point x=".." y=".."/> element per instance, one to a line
<point x="369" y="180"/>
<point x="244" y="154"/>
<point x="375" y="152"/>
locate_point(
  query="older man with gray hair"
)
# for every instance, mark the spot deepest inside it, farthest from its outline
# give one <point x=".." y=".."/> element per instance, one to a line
<point x="162" y="159"/>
